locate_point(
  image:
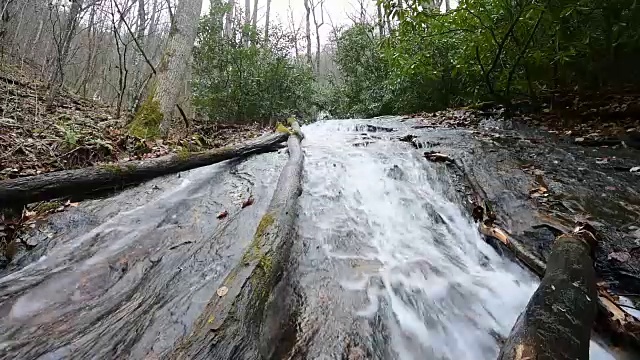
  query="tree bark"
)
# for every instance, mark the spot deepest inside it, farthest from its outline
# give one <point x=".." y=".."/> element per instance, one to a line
<point x="447" y="5"/>
<point x="557" y="322"/>
<point x="266" y="22"/>
<point x="254" y="17"/>
<point x="176" y="57"/>
<point x="83" y="181"/>
<point x="228" y="22"/>
<point x="318" y="26"/>
<point x="308" y="29"/>
<point x="253" y="303"/>
<point x="380" y="21"/>
<point x="247" y="21"/>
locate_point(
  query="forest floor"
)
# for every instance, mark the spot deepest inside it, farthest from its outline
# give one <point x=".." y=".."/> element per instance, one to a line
<point x="78" y="132"/>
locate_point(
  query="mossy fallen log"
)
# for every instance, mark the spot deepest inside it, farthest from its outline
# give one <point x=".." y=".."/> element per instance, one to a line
<point x="15" y="192"/>
<point x="557" y="322"/>
<point x="234" y="326"/>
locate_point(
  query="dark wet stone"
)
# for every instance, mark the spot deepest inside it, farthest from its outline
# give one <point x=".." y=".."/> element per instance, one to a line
<point x="396" y="173"/>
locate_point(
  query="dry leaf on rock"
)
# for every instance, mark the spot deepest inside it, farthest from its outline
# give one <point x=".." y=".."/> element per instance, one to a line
<point x="222" y="215"/>
<point x="222" y="291"/>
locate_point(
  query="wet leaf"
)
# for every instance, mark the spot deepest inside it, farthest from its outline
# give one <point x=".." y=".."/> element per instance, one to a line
<point x="248" y="202"/>
<point x="222" y="215"/>
<point x="621" y="256"/>
<point x="539" y="191"/>
<point x="222" y="291"/>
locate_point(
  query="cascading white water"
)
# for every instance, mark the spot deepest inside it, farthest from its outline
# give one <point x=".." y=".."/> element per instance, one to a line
<point x="442" y="292"/>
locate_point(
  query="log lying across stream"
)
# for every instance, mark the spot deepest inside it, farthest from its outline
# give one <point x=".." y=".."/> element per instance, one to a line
<point x="244" y="320"/>
<point x="82" y="181"/>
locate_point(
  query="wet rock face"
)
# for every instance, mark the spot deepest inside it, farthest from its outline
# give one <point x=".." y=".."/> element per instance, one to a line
<point x="396" y="173"/>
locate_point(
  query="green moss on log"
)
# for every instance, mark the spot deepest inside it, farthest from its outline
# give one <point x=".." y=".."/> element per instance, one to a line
<point x="282" y="129"/>
<point x="146" y="122"/>
<point x="254" y="252"/>
<point x="113" y="168"/>
<point x="183" y="153"/>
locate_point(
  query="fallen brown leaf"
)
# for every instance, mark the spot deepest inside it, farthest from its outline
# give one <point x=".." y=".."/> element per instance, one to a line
<point x="248" y="202"/>
<point x="222" y="215"/>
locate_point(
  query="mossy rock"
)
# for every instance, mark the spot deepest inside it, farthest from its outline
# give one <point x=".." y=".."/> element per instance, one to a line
<point x="146" y="123"/>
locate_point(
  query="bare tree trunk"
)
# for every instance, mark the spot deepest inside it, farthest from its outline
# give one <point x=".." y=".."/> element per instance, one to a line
<point x="294" y="29"/>
<point x="173" y="66"/>
<point x="447" y="5"/>
<point x="308" y="28"/>
<point x="318" y="26"/>
<point x="139" y="62"/>
<point x="38" y="35"/>
<point x="153" y="22"/>
<point x="254" y="17"/>
<point x="229" y="18"/>
<point x="266" y="22"/>
<point x="56" y="80"/>
<point x="4" y="19"/>
<point x="247" y="21"/>
<point x="380" y="21"/>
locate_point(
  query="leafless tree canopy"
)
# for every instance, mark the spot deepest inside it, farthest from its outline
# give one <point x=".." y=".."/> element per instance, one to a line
<point x="89" y="46"/>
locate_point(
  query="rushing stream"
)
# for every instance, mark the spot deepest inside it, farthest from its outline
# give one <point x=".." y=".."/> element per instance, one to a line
<point x="388" y="266"/>
<point x="392" y="266"/>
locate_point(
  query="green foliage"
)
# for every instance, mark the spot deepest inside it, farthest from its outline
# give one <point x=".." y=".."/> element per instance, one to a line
<point x="485" y="50"/>
<point x="70" y="135"/>
<point x="240" y="83"/>
<point x="362" y="89"/>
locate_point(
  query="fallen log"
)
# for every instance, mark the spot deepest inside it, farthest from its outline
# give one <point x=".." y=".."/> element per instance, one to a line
<point x="16" y="192"/>
<point x="242" y="323"/>
<point x="557" y="322"/>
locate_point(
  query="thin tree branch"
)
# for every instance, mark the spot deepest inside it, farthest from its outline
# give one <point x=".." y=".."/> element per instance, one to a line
<point x="144" y="55"/>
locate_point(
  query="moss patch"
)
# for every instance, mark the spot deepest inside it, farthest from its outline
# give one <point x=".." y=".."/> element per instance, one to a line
<point x="113" y="168"/>
<point x="183" y="153"/>
<point x="254" y="252"/>
<point x="146" y="122"/>
<point x="282" y="129"/>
